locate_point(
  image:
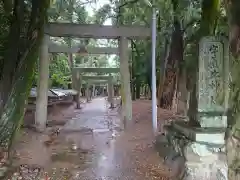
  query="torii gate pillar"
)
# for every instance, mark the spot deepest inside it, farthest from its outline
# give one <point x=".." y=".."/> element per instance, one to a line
<point x="42" y="88"/>
<point x="93" y="90"/>
<point x="78" y="87"/>
<point x="87" y="92"/>
<point x="110" y="92"/>
<point x="125" y="80"/>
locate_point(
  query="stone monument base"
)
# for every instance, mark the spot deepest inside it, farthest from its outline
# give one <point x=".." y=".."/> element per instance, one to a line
<point x="189" y="159"/>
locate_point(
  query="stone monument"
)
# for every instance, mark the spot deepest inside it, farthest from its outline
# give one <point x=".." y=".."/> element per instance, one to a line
<point x="198" y="153"/>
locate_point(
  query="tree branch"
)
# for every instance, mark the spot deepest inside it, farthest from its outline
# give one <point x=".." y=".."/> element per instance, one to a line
<point x="122" y="5"/>
<point x="8" y="5"/>
<point x="190" y="23"/>
<point x="175" y="4"/>
<point x="135" y="47"/>
<point x="127" y="3"/>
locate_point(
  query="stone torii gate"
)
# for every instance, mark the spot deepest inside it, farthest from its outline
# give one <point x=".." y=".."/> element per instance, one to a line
<point x="110" y="89"/>
<point x="122" y="33"/>
<point x="54" y="48"/>
<point x="96" y="82"/>
<point x="77" y="72"/>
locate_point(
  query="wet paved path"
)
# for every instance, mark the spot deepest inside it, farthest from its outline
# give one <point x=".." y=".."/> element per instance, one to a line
<point x="116" y="154"/>
<point x="95" y="115"/>
<point x="91" y="146"/>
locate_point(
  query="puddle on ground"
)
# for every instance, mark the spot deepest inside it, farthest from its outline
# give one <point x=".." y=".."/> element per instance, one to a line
<point x="72" y="150"/>
<point x="103" y="130"/>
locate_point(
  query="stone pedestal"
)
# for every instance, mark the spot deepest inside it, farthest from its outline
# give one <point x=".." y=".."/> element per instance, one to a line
<point x="203" y="162"/>
<point x="203" y="148"/>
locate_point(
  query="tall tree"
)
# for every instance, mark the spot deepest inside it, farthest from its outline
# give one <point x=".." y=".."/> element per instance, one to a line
<point x="21" y="41"/>
<point x="233" y="139"/>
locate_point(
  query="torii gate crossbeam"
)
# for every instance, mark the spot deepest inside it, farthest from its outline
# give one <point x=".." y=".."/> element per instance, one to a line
<point x="96" y="31"/>
<point x="96" y="70"/>
<point x="96" y="77"/>
<point x="54" y="48"/>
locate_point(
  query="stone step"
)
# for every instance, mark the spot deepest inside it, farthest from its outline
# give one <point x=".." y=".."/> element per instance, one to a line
<point x="208" y="135"/>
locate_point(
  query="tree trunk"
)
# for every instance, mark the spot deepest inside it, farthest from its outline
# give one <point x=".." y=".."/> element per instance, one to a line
<point x="172" y="69"/>
<point x="169" y="93"/>
<point x="149" y="78"/>
<point x="170" y="80"/>
<point x="133" y="91"/>
<point x="233" y="141"/>
<point x="138" y="89"/>
<point x="149" y="85"/>
<point x="145" y="91"/>
<point x="13" y="111"/>
<point x="233" y="157"/>
<point x="162" y="71"/>
<point x="183" y="95"/>
<point x="132" y="70"/>
<point x="233" y="136"/>
<point x="11" y="55"/>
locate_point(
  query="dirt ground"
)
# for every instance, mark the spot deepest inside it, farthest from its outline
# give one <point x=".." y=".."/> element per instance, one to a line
<point x="57" y="114"/>
<point x="72" y="155"/>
